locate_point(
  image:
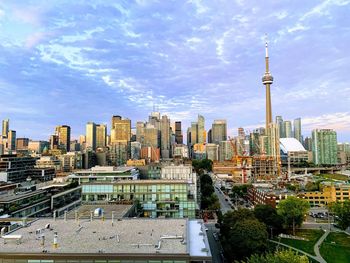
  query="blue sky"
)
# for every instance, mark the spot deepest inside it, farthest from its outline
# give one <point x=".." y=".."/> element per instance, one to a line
<point x="70" y="62"/>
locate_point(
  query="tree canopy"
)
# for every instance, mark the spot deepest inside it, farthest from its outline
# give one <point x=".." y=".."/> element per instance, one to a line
<point x="242" y="234"/>
<point x="293" y="210"/>
<point x="342" y="213"/>
<point x="268" y="215"/>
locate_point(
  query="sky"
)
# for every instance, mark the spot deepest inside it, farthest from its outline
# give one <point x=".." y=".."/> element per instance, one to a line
<point x="71" y="62"/>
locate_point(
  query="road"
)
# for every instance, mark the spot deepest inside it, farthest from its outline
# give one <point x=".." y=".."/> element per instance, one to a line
<point x="215" y="246"/>
<point x="225" y="205"/>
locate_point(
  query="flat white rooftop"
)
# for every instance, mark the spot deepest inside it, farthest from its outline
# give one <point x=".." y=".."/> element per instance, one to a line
<point x="127" y="236"/>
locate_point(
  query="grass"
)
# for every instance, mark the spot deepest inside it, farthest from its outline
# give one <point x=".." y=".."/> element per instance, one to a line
<point x="308" y="246"/>
<point x="340" y="177"/>
<point x="336" y="248"/>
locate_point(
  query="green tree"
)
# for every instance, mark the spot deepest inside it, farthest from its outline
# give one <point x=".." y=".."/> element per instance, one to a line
<point x="292" y="211"/>
<point x="242" y="234"/>
<point x="268" y="215"/>
<point x="283" y="256"/>
<point x="342" y="213"/>
<point x="245" y="238"/>
<point x="240" y="190"/>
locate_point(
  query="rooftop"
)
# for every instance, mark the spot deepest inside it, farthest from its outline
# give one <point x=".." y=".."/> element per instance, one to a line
<point x="84" y="211"/>
<point x="291" y="145"/>
<point x="125" y="236"/>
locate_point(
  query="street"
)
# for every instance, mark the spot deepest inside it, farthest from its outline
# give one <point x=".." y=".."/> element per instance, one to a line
<point x="225" y="205"/>
<point x="215" y="246"/>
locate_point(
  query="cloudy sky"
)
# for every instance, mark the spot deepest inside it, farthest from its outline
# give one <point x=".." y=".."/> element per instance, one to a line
<point x="70" y="62"/>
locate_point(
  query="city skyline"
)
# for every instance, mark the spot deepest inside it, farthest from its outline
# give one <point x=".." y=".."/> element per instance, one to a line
<point x="187" y="59"/>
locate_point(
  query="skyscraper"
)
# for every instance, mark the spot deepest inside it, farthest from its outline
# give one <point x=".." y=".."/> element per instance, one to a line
<point x="287" y="126"/>
<point x="225" y="151"/>
<point x="101" y="135"/>
<point x="201" y="130"/>
<point x="140" y="131"/>
<point x="121" y="131"/>
<point x="11" y="140"/>
<point x="5" y="127"/>
<point x="324" y="146"/>
<point x="297" y="129"/>
<point x="219" y="131"/>
<point x="194" y="133"/>
<point x="267" y="80"/>
<point x="151" y="136"/>
<point x="165" y="137"/>
<point x="178" y="133"/>
<point x="279" y="122"/>
<point x="63" y="133"/>
<point x="90" y="137"/>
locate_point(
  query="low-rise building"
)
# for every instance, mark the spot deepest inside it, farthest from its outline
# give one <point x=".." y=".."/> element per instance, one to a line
<point x="112" y="241"/>
<point x="265" y="194"/>
<point x="167" y="198"/>
<point x="330" y="192"/>
<point x="29" y="201"/>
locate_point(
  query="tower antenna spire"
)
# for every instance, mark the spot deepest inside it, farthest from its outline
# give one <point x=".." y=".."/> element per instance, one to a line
<point x="267" y="81"/>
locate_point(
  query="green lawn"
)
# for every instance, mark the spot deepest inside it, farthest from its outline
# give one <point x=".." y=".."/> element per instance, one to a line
<point x="335" y="176"/>
<point x="308" y="246"/>
<point x="339" y="250"/>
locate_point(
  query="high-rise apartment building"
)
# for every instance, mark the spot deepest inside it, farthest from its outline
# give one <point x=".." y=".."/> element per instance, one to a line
<point x="324" y="146"/>
<point x="90" y="137"/>
<point x="219" y="131"/>
<point x="225" y="151"/>
<point x="279" y="122"/>
<point x="297" y="129"/>
<point x="63" y="133"/>
<point x="101" y="135"/>
<point x="308" y="143"/>
<point x="178" y="133"/>
<point x="201" y="130"/>
<point x="288" y="129"/>
<point x="212" y="151"/>
<point x="5" y="127"/>
<point x="165" y="137"/>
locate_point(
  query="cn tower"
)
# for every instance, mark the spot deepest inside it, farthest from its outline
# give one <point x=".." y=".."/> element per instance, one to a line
<point x="267" y="80"/>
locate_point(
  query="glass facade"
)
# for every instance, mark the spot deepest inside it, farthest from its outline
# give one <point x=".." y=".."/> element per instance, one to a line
<point x="157" y="199"/>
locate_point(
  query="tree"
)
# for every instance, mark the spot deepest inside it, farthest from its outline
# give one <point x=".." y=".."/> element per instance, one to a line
<point x="240" y="190"/>
<point x="245" y="238"/>
<point x="268" y="215"/>
<point x="342" y="213"/>
<point x="283" y="256"/>
<point x="242" y="234"/>
<point x="292" y="211"/>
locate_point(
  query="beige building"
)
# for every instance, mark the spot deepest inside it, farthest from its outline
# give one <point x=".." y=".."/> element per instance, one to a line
<point x="121" y="130"/>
